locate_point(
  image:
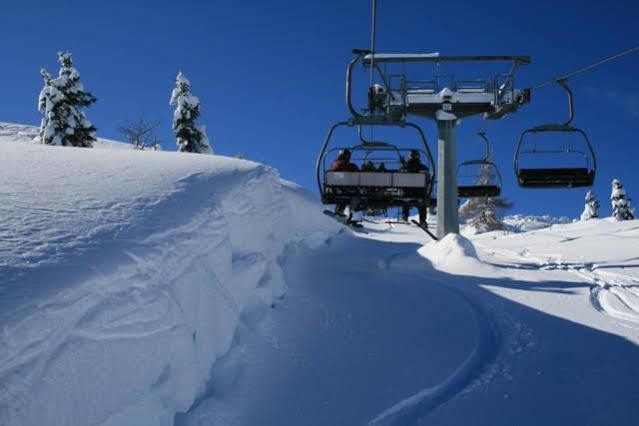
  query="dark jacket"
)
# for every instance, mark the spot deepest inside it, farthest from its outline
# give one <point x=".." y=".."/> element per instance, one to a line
<point x="414" y="165"/>
<point x="341" y="164"/>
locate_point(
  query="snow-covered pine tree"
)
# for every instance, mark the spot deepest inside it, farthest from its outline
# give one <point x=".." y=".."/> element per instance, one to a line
<point x="191" y="137"/>
<point x="591" y="207"/>
<point x="621" y="209"/>
<point x="60" y="101"/>
<point x="481" y="212"/>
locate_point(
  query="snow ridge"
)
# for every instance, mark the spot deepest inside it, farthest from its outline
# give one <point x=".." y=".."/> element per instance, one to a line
<point x="167" y="250"/>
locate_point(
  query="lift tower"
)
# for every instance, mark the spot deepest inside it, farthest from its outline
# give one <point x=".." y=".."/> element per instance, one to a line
<point x="445" y="103"/>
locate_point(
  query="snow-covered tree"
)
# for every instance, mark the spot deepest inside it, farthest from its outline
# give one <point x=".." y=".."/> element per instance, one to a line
<point x="482" y="212"/>
<point x="191" y="137"/>
<point x="60" y="103"/>
<point x="591" y="207"/>
<point x="621" y="209"/>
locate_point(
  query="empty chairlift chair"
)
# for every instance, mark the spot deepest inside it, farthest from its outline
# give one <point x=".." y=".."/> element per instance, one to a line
<point x="569" y="163"/>
<point x="479" y="178"/>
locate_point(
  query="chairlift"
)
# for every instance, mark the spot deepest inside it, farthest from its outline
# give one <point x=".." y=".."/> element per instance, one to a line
<point x="479" y="178"/>
<point x="384" y="186"/>
<point x="567" y="175"/>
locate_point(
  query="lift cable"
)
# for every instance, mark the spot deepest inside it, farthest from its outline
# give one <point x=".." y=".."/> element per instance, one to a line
<point x="373" y="35"/>
<point x="373" y="31"/>
<point x="587" y="67"/>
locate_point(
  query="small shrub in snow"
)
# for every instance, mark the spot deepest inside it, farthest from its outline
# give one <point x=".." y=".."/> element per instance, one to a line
<point x="191" y="137"/>
<point x="60" y="102"/>
<point x="591" y="207"/>
<point x="621" y="209"/>
<point x="140" y="133"/>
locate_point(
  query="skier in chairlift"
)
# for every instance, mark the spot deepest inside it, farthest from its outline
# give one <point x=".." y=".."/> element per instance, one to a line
<point x="413" y="165"/>
<point x="343" y="162"/>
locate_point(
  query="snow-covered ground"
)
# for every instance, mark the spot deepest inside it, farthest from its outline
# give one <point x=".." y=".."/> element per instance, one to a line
<point x="137" y="285"/>
<point x="390" y="328"/>
<point x="124" y="274"/>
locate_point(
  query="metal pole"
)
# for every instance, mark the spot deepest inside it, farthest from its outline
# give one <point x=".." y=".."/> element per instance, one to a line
<point x="447" y="216"/>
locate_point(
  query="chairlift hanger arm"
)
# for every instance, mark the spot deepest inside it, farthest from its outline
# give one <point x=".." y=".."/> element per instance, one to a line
<point x="485" y="139"/>
<point x="424" y="141"/>
<point x="366" y="142"/>
<point x="571" y="105"/>
<point x="318" y="164"/>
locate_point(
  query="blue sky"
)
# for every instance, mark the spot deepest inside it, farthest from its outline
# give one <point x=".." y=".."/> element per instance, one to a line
<point x="270" y="75"/>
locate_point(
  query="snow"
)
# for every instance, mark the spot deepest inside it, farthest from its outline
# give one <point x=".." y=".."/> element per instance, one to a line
<point x="125" y="273"/>
<point x="157" y="288"/>
<point x="509" y="331"/>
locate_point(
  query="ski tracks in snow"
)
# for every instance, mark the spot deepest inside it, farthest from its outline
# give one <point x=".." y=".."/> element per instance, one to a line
<point x="417" y="406"/>
<point x="499" y="336"/>
<point x="613" y="294"/>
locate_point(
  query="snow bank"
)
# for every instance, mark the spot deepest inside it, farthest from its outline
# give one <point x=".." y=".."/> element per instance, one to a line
<point x="125" y="273"/>
<point x="453" y="253"/>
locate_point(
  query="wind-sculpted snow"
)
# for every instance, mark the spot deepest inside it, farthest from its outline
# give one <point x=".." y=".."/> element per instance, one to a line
<point x="124" y="275"/>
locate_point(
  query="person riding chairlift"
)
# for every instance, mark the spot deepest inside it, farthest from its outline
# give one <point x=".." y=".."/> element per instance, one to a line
<point x="368" y="166"/>
<point x="414" y="165"/>
<point x="343" y="162"/>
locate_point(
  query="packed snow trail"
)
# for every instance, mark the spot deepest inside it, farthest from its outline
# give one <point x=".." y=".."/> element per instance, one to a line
<point x="372" y="333"/>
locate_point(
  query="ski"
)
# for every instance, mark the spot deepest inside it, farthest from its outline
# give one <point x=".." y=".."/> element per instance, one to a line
<point x="343" y="219"/>
<point x="424" y="228"/>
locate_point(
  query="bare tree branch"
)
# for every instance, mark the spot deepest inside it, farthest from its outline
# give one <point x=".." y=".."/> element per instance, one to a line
<point x="140" y="133"/>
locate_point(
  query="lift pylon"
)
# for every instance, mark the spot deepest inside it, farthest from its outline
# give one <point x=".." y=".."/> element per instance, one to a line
<point x="444" y="103"/>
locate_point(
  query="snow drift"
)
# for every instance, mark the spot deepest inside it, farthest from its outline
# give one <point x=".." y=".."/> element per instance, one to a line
<point x="453" y="253"/>
<point x="124" y="274"/>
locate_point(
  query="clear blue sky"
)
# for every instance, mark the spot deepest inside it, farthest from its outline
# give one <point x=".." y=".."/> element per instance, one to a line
<point x="270" y="75"/>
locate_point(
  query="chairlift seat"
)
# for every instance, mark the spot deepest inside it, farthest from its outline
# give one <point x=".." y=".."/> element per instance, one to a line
<point x="471" y="191"/>
<point x="556" y="178"/>
<point x="377" y="179"/>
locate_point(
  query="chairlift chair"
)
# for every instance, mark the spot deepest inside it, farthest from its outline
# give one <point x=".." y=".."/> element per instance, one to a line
<point x="562" y="176"/>
<point x="480" y="187"/>
<point x="375" y="190"/>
